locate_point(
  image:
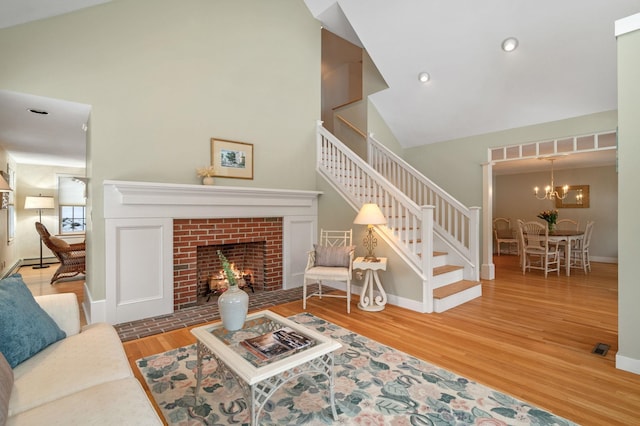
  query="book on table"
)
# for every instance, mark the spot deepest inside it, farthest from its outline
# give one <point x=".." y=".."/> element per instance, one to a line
<point x="276" y="343"/>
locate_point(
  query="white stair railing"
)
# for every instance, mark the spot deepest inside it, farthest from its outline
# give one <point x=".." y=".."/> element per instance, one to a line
<point x="456" y="224"/>
<point x="359" y="183"/>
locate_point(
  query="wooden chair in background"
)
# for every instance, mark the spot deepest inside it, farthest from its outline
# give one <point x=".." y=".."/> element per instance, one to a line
<point x="71" y="256"/>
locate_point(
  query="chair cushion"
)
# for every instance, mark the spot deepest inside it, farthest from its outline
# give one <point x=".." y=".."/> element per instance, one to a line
<point x="91" y="357"/>
<point x="6" y="384"/>
<point x="58" y="242"/>
<point x="332" y="256"/>
<point x="26" y="327"/>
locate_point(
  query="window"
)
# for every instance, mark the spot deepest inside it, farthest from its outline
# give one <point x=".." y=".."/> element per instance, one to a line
<point x="72" y="219"/>
<point x="71" y="202"/>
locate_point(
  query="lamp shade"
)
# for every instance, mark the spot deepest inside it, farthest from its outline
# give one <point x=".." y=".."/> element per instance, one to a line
<point x="370" y="214"/>
<point x="38" y="203"/>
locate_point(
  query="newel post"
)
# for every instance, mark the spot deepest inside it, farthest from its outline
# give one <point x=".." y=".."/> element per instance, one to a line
<point x="427" y="257"/>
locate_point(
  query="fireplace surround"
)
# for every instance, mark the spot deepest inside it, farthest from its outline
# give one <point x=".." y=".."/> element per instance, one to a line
<point x="141" y="262"/>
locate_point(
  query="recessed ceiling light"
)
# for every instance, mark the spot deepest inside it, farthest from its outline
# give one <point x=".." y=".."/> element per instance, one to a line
<point x="37" y="111"/>
<point x="510" y="44"/>
<point x="424" y="77"/>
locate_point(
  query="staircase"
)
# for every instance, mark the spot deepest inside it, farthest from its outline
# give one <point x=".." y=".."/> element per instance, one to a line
<point x="421" y="218"/>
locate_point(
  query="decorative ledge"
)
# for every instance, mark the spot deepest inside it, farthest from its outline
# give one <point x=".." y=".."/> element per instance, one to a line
<point x="125" y="199"/>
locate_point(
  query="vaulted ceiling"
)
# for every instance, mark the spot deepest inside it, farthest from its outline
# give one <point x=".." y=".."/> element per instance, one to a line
<point x="564" y="66"/>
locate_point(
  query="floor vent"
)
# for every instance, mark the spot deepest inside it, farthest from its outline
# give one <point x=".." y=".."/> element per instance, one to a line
<point x="600" y="349"/>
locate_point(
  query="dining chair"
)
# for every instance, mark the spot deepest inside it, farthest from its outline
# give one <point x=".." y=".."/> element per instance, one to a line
<point x="520" y="237"/>
<point x="580" y="253"/>
<point x="330" y="260"/>
<point x="538" y="251"/>
<point x="504" y="234"/>
<point x="569" y="225"/>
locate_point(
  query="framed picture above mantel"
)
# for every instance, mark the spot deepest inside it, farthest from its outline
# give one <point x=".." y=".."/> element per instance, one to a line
<point x="577" y="197"/>
<point x="232" y="159"/>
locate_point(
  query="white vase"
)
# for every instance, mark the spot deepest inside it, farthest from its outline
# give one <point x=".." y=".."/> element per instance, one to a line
<point x="233" y="305"/>
<point x="208" y="180"/>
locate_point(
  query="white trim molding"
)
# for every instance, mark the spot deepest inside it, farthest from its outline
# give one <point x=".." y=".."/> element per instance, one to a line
<point x="627" y="25"/>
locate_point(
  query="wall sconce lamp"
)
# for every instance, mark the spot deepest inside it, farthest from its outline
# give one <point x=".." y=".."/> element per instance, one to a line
<point x="39" y="203"/>
<point x="370" y="214"/>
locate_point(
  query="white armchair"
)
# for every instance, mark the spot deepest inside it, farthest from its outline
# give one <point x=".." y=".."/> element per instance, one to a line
<point x="331" y="260"/>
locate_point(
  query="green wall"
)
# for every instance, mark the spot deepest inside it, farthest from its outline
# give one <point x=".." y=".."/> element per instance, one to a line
<point x="629" y="202"/>
<point x="163" y="77"/>
<point x="456" y="165"/>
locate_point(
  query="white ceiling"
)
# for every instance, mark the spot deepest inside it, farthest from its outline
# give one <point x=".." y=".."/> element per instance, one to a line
<point x="15" y="12"/>
<point x="57" y="138"/>
<point x="564" y="67"/>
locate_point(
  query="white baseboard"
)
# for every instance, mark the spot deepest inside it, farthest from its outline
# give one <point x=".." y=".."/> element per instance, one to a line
<point x="627" y="364"/>
<point x="401" y="302"/>
<point x="604" y="259"/>
<point x="94" y="310"/>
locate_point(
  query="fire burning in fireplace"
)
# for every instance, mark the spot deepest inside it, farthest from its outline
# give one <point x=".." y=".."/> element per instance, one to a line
<point x="218" y="281"/>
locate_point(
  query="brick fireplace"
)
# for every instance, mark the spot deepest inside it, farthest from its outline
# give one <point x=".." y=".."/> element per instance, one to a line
<point x="191" y="236"/>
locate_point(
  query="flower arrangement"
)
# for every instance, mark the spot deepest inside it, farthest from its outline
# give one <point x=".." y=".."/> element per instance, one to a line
<point x="231" y="278"/>
<point x="550" y="216"/>
<point x="205" y="171"/>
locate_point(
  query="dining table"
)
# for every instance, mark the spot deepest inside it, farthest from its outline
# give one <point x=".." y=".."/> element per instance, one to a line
<point x="568" y="236"/>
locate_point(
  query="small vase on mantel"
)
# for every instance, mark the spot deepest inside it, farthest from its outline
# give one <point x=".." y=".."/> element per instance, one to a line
<point x="208" y="180"/>
<point x="233" y="304"/>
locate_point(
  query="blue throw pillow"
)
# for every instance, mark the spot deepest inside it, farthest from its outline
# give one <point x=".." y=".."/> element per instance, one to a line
<point x="25" y="328"/>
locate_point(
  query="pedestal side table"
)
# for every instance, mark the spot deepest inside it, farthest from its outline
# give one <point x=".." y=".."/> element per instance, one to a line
<point x="367" y="300"/>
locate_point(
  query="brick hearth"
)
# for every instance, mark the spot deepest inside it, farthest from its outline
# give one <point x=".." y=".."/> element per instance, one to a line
<point x="189" y="234"/>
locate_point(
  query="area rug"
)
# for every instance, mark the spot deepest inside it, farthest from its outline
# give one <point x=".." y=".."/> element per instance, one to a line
<point x="375" y="385"/>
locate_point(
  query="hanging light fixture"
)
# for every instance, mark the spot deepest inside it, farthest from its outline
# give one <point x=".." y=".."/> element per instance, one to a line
<point x="550" y="192"/>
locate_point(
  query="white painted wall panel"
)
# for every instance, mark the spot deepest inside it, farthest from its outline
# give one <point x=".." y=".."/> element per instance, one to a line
<point x="139" y="268"/>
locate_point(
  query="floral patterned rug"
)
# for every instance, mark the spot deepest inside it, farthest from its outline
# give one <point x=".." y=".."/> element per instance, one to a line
<point x="374" y="385"/>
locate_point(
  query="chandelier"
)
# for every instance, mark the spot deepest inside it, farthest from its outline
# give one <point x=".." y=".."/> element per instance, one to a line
<point x="549" y="191"/>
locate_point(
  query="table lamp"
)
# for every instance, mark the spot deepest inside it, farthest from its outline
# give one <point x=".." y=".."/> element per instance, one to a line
<point x="39" y="203"/>
<point x="370" y="215"/>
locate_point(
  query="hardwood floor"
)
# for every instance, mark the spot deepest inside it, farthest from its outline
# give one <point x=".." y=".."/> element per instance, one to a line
<point x="527" y="336"/>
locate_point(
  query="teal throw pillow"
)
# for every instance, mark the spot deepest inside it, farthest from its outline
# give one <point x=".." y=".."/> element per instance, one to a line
<point x="25" y="328"/>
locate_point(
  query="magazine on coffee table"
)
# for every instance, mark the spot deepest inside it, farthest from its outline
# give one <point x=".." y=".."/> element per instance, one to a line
<point x="276" y="343"/>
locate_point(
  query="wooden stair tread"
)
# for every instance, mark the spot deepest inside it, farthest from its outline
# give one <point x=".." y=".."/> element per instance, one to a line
<point x="439" y="253"/>
<point x="451" y="289"/>
<point x="446" y="268"/>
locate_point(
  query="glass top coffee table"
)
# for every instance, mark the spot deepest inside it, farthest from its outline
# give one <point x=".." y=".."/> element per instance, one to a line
<point x="259" y="376"/>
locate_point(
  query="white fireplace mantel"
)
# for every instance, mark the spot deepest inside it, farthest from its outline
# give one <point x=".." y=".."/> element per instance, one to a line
<point x="139" y="237"/>
<point x="178" y="201"/>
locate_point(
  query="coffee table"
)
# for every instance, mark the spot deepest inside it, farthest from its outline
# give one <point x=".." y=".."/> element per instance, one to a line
<point x="261" y="379"/>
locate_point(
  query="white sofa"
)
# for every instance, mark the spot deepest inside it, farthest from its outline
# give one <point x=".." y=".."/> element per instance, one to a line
<point x="83" y="379"/>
